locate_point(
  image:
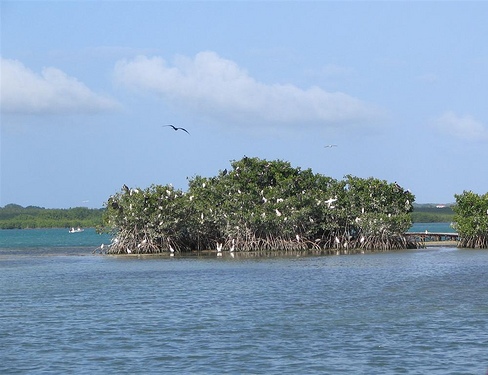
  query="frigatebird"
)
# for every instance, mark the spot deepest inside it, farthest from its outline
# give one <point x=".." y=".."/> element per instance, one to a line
<point x="176" y="128"/>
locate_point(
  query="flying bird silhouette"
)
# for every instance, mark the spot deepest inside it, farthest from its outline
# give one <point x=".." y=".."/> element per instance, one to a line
<point x="176" y="128"/>
<point x="330" y="146"/>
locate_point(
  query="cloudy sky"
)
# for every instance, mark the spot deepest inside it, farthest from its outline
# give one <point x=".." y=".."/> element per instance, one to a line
<point x="400" y="87"/>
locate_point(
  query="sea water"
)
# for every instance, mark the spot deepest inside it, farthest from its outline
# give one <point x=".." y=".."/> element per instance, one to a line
<point x="66" y="310"/>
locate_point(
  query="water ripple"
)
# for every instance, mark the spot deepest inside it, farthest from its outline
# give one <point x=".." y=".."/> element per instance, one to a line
<point x="409" y="312"/>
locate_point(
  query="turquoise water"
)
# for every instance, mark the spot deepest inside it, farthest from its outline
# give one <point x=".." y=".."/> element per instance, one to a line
<point x="432" y="227"/>
<point x="51" y="238"/>
<point x="66" y="310"/>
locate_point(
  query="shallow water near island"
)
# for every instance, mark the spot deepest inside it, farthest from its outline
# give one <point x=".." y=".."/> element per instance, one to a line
<point x="66" y="310"/>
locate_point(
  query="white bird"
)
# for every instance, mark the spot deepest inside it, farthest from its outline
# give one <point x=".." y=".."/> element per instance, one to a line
<point x="330" y="146"/>
<point x="298" y="238"/>
<point x="330" y="201"/>
<point x="129" y="251"/>
<point x="219" y="247"/>
<point x="278" y="213"/>
<point x="232" y="247"/>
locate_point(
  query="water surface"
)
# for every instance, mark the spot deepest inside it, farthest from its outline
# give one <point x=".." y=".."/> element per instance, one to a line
<point x="65" y="310"/>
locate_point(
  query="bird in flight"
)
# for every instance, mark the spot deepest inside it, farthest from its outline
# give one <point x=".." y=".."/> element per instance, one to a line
<point x="175" y="128"/>
<point x="330" y="146"/>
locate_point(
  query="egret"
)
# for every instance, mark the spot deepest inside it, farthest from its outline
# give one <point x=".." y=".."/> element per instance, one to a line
<point x="330" y="201"/>
<point x="176" y="128"/>
<point x="278" y="213"/>
<point x="219" y="249"/>
<point x="232" y="247"/>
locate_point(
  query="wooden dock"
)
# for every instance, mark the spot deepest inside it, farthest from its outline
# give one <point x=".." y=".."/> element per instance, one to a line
<point x="422" y="237"/>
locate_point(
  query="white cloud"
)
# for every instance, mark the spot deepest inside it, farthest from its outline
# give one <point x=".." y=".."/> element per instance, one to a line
<point x="219" y="88"/>
<point x="465" y="127"/>
<point x="25" y="92"/>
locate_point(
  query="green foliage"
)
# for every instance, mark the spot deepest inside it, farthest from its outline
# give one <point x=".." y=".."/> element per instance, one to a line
<point x="430" y="213"/>
<point x="471" y="219"/>
<point x="13" y="216"/>
<point x="260" y="205"/>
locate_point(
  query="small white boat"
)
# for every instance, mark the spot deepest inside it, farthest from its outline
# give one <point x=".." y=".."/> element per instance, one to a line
<point x="77" y="230"/>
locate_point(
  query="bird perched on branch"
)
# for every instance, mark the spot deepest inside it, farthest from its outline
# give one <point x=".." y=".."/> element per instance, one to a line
<point x="176" y="128"/>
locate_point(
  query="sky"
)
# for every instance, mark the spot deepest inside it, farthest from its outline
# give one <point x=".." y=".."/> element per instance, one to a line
<point x="87" y="86"/>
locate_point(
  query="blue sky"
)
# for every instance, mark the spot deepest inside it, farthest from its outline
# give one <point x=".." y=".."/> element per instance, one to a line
<point x="400" y="87"/>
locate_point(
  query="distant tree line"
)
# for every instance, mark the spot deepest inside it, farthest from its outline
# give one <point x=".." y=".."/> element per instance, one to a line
<point x="471" y="219"/>
<point x="261" y="205"/>
<point x="430" y="213"/>
<point x="13" y="216"/>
